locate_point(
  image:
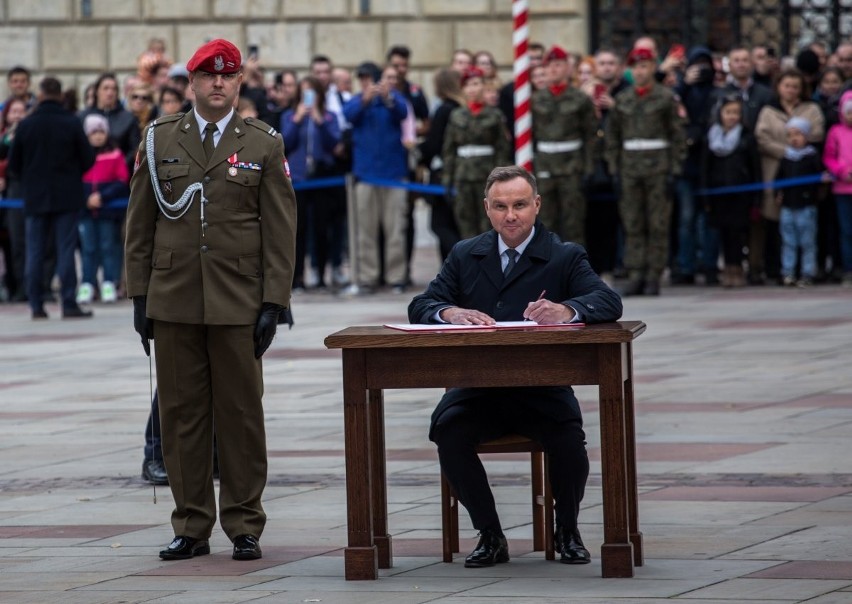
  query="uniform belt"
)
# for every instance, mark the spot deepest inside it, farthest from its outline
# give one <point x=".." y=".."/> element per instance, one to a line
<point x="475" y="150"/>
<point x="645" y="144"/>
<point x="558" y="146"/>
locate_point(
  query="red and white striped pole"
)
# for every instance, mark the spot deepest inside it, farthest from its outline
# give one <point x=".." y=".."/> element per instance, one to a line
<point x="523" y="117"/>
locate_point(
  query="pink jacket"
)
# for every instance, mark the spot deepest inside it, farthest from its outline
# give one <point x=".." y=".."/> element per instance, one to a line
<point x="109" y="167"/>
<point x="837" y="156"/>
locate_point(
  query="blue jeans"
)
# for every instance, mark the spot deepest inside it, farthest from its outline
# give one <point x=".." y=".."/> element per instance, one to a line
<point x="844" y="218"/>
<point x="65" y="232"/>
<point x="798" y="231"/>
<point x="693" y="232"/>
<point x="100" y="245"/>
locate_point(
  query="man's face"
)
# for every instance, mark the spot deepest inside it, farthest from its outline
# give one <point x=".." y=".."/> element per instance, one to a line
<point x="322" y="71"/>
<point x="461" y="62"/>
<point x="559" y="71"/>
<point x="760" y="59"/>
<point x="643" y="72"/>
<point x="739" y="63"/>
<point x="215" y="93"/>
<point x="607" y="67"/>
<point x="844" y="60"/>
<point x="512" y="208"/>
<point x="401" y="65"/>
<point x="536" y="56"/>
<point x="343" y="80"/>
<point x="107" y="93"/>
<point x="19" y="84"/>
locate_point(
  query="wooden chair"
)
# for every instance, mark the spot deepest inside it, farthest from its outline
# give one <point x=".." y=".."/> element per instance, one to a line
<point x="542" y="497"/>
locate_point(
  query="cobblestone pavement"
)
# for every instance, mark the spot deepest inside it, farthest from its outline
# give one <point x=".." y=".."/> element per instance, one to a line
<point x="744" y="424"/>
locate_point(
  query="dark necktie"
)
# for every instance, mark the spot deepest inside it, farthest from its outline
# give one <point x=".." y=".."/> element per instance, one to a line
<point x="207" y="144"/>
<point x="512" y="254"/>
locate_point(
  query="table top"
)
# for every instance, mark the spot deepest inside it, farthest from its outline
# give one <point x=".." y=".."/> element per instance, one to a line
<point x="385" y="337"/>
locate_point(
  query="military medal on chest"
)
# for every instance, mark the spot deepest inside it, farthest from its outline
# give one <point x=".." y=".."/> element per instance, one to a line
<point x="232" y="171"/>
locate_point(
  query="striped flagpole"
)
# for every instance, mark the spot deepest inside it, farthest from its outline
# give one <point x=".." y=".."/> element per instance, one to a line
<point x="523" y="118"/>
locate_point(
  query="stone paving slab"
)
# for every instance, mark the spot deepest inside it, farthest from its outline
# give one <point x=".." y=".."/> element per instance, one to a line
<point x="744" y="415"/>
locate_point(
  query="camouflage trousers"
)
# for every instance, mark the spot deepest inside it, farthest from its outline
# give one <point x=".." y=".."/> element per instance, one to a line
<point x="469" y="208"/>
<point x="563" y="207"/>
<point x="646" y="210"/>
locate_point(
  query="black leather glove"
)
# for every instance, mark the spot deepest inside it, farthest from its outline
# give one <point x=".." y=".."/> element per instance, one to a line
<point x="141" y="323"/>
<point x="264" y="329"/>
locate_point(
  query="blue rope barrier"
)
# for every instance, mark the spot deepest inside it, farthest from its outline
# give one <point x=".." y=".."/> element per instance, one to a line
<point x="339" y="181"/>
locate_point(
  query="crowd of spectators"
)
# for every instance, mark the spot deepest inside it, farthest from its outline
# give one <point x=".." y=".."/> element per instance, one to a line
<point x="748" y="116"/>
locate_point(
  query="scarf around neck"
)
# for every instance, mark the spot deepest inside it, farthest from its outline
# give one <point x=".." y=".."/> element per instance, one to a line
<point x="722" y="143"/>
<point x="794" y="154"/>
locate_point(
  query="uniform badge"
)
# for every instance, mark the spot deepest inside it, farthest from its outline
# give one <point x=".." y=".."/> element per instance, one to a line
<point x="167" y="187"/>
<point x="232" y="171"/>
<point x="219" y="63"/>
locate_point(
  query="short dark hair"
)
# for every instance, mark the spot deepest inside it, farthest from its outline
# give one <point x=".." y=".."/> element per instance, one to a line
<point x="279" y="77"/>
<point x="399" y="51"/>
<point x="320" y="59"/>
<point x="50" y="88"/>
<point x="18" y="69"/>
<point x="507" y="173"/>
<point x="792" y="72"/>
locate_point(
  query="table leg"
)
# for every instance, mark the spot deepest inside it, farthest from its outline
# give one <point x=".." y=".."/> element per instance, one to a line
<point x="378" y="479"/>
<point x="360" y="555"/>
<point x="617" y="550"/>
<point x="630" y="442"/>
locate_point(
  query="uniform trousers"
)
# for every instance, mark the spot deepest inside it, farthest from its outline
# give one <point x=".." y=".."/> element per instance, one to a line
<point x="563" y="207"/>
<point x="646" y="210"/>
<point x="208" y="373"/>
<point x="469" y="208"/>
<point x="380" y="208"/>
<point x="463" y="426"/>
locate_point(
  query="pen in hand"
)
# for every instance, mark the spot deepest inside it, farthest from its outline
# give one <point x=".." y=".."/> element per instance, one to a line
<point x="540" y="296"/>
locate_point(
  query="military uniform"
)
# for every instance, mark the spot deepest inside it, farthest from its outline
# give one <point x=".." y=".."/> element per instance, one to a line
<point x="564" y="131"/>
<point x="206" y="275"/>
<point x="645" y="148"/>
<point x="473" y="146"/>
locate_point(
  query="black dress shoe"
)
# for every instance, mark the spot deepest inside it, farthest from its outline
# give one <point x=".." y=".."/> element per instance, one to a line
<point x="247" y="547"/>
<point x="652" y="288"/>
<point x="634" y="287"/>
<point x="39" y="314"/>
<point x="492" y="549"/>
<point x="154" y="471"/>
<point x="75" y="312"/>
<point x="570" y="547"/>
<point x="184" y="548"/>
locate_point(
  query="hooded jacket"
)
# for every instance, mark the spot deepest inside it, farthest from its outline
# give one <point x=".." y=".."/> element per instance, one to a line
<point x="837" y="155"/>
<point x="698" y="100"/>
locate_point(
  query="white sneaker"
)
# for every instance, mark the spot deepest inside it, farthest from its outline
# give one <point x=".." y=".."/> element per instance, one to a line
<point x="108" y="293"/>
<point x="85" y="293"/>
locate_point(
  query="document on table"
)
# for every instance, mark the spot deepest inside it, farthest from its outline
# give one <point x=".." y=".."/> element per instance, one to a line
<point x="426" y="327"/>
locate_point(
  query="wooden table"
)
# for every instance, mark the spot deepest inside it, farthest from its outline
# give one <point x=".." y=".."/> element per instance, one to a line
<point x="375" y="358"/>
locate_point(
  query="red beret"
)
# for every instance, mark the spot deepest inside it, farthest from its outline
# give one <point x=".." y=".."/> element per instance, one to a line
<point x="217" y="56"/>
<point x="639" y="54"/>
<point x="556" y="53"/>
<point x="472" y="72"/>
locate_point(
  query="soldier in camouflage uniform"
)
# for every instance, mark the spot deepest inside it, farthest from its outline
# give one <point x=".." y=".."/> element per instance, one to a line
<point x="645" y="148"/>
<point x="475" y="141"/>
<point x="564" y="131"/>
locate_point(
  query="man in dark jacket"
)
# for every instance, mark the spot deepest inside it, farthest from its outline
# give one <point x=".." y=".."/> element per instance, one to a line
<point x="512" y="273"/>
<point x="50" y="154"/>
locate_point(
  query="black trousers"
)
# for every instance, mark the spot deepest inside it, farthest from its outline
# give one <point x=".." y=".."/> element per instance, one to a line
<point x="463" y="426"/>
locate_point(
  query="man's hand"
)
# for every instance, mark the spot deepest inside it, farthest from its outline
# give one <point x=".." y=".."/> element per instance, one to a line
<point x="546" y="312"/>
<point x="465" y="316"/>
<point x="264" y="329"/>
<point x="141" y="323"/>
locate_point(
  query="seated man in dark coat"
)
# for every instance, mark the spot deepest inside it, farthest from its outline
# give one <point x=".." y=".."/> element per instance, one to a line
<point x="499" y="276"/>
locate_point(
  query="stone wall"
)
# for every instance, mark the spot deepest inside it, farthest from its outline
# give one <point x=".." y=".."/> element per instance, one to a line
<point x="76" y="39"/>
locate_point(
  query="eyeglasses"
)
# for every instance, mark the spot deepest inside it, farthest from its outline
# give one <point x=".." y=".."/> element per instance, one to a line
<point x="141" y="97"/>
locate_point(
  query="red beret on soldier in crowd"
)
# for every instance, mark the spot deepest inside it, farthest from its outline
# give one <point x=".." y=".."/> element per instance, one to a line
<point x="639" y="54"/>
<point x="217" y="56"/>
<point x="556" y="53"/>
<point x="473" y="72"/>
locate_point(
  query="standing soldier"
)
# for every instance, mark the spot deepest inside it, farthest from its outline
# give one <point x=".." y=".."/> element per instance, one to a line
<point x="475" y="141"/>
<point x="208" y="280"/>
<point x="645" y="147"/>
<point x="564" y="130"/>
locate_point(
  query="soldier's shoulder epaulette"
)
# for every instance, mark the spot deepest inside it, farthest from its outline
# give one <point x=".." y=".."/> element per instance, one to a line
<point x="167" y="119"/>
<point x="261" y="125"/>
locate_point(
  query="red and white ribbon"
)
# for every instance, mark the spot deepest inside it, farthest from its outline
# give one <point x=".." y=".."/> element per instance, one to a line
<point x="523" y="117"/>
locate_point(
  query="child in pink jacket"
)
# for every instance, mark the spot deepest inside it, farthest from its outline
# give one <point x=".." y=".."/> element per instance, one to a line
<point x="837" y="158"/>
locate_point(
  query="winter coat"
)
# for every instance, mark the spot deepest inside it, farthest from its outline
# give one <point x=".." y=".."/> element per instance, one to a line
<point x="837" y="155"/>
